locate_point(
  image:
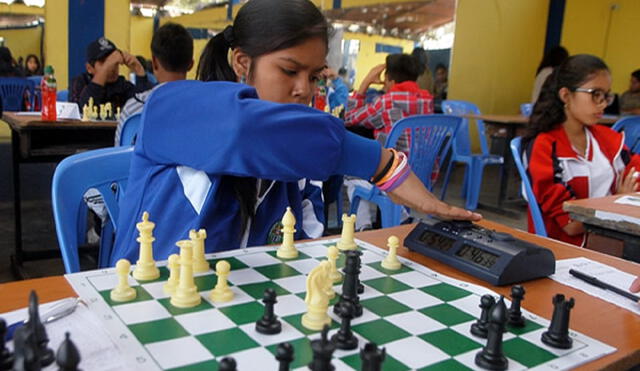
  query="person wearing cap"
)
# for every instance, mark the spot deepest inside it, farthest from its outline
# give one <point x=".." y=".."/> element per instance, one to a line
<point x="102" y="81"/>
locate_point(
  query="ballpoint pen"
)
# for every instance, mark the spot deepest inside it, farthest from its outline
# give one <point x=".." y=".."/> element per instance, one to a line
<point x="62" y="309"/>
<point x="603" y="285"/>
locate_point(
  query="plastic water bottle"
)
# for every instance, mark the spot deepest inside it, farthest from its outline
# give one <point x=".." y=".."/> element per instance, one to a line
<point x="48" y="89"/>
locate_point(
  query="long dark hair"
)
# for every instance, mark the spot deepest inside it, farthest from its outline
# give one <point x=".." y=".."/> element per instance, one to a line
<point x="553" y="58"/>
<point x="260" y="27"/>
<point x="549" y="109"/>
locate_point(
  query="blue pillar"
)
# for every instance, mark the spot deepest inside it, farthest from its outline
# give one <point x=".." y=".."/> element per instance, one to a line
<point x="554" y="24"/>
<point x="86" y="23"/>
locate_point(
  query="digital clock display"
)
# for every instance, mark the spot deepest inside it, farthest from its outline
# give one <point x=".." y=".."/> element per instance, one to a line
<point x="437" y="241"/>
<point x="477" y="256"/>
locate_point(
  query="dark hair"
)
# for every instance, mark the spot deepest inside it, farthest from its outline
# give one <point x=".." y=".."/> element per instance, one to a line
<point x="421" y="57"/>
<point x="636" y="74"/>
<point x="548" y="111"/>
<point x="441" y="66"/>
<point x="38" y="70"/>
<point x="402" y="67"/>
<point x="260" y="27"/>
<point x="342" y="71"/>
<point x="7" y="64"/>
<point x="553" y="58"/>
<point x="172" y="44"/>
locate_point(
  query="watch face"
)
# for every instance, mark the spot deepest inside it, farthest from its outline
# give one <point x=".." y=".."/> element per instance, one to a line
<point x="437" y="241"/>
<point x="477" y="256"/>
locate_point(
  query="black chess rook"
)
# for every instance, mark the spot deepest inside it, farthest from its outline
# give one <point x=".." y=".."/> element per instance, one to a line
<point x="345" y="339"/>
<point x="480" y="328"/>
<point x="558" y="334"/>
<point x="322" y="352"/>
<point x="372" y="357"/>
<point x="515" y="314"/>
<point x="269" y="323"/>
<point x="491" y="356"/>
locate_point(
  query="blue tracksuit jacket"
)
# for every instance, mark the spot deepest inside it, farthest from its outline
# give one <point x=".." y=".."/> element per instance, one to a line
<point x="193" y="133"/>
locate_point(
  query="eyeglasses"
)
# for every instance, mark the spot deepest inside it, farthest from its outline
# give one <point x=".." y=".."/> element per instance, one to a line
<point x="598" y="96"/>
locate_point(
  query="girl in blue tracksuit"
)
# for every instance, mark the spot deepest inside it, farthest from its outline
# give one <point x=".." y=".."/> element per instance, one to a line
<point x="230" y="157"/>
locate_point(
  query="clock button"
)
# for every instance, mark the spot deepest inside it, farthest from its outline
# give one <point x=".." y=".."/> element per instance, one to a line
<point x="501" y="236"/>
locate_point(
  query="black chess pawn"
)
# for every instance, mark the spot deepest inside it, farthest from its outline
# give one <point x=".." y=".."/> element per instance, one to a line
<point x="515" y="315"/>
<point x="6" y="358"/>
<point x="322" y="352"/>
<point x="284" y="355"/>
<point x="25" y="355"/>
<point x="344" y="338"/>
<point x="558" y="334"/>
<point x="227" y="364"/>
<point x="68" y="356"/>
<point x="491" y="356"/>
<point x="269" y="323"/>
<point x="45" y="354"/>
<point x="350" y="283"/>
<point x="372" y="357"/>
<point x="480" y="328"/>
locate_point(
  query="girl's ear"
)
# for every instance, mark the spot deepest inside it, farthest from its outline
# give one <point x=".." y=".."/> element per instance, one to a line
<point x="564" y="94"/>
<point x="240" y="63"/>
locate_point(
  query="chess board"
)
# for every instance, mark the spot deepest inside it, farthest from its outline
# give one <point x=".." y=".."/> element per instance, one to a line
<point x="421" y="317"/>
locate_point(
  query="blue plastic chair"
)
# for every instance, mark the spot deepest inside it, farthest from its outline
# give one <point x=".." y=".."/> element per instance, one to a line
<point x="630" y="125"/>
<point x="431" y="140"/>
<point x="526" y="109"/>
<point x="106" y="170"/>
<point x="534" y="208"/>
<point x="129" y="130"/>
<point x="12" y="90"/>
<point x="474" y="163"/>
<point x="62" y="96"/>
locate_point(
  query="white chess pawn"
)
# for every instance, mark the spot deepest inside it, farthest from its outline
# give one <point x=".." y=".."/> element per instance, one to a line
<point x="186" y="294"/>
<point x="332" y="257"/>
<point x="391" y="262"/>
<point x="123" y="291"/>
<point x="103" y="112"/>
<point x="347" y="241"/>
<point x="288" y="249"/>
<point x="222" y="293"/>
<point x="146" y="269"/>
<point x="85" y="113"/>
<point x="174" y="274"/>
<point x="200" y="263"/>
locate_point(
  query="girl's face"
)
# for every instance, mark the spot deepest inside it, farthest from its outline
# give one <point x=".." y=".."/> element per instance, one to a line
<point x="287" y="75"/>
<point x="586" y="105"/>
<point x="32" y="65"/>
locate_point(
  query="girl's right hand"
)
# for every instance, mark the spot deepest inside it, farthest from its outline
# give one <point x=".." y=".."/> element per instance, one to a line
<point x="635" y="286"/>
<point x="629" y="183"/>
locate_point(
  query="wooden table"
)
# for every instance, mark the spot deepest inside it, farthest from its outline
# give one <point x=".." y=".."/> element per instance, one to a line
<point x="612" y="228"/>
<point x="593" y="317"/>
<point x="511" y="123"/>
<point x="33" y="141"/>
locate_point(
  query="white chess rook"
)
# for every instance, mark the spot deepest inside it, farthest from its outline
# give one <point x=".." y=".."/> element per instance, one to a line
<point x="146" y="269"/>
<point x="186" y="294"/>
<point x="200" y="263"/>
<point x="347" y="241"/>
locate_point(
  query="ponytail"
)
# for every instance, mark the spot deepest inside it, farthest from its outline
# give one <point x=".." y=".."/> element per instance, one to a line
<point x="213" y="64"/>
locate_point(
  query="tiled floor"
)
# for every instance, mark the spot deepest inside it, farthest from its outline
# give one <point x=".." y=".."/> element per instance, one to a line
<point x="39" y="229"/>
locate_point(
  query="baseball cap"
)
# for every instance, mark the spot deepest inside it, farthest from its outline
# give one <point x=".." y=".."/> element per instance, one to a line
<point x="99" y="49"/>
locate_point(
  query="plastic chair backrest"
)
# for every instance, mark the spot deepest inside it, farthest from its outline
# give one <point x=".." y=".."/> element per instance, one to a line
<point x="36" y="79"/>
<point x="431" y="138"/>
<point x="106" y="170"/>
<point x="526" y="109"/>
<point x="534" y="209"/>
<point x="12" y="91"/>
<point x="62" y="96"/>
<point x="630" y="125"/>
<point x="130" y="130"/>
<point x="463" y="139"/>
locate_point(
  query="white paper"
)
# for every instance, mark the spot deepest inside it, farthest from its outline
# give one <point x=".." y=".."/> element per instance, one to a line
<point x="68" y="110"/>
<point x="603" y="272"/>
<point x="606" y="215"/>
<point x="97" y="350"/>
<point x="629" y="200"/>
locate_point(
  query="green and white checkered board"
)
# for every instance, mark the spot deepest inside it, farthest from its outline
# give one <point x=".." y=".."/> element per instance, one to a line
<point x="421" y="317"/>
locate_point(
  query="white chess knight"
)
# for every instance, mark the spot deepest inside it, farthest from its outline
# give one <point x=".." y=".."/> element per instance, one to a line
<point x="391" y="262"/>
<point x="288" y="249"/>
<point x="317" y="298"/>
<point x="347" y="241"/>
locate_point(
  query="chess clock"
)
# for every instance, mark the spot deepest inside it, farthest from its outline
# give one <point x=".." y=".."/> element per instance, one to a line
<point x="494" y="257"/>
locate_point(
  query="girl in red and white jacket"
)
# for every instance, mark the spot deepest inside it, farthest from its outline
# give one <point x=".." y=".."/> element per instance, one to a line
<point x="570" y="156"/>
